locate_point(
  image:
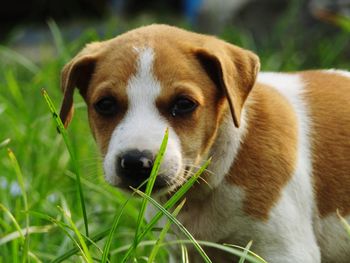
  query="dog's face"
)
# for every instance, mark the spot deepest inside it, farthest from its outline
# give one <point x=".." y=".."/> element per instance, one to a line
<point x="154" y="78"/>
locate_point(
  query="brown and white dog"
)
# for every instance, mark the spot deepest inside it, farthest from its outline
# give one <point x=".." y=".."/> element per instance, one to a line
<point x="280" y="170"/>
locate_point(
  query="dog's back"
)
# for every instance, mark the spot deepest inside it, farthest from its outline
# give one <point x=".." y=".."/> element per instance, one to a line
<point x="328" y="95"/>
<point x="321" y="101"/>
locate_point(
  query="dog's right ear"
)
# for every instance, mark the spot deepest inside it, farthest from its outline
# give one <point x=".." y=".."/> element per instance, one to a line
<point x="232" y="68"/>
<point x="77" y="74"/>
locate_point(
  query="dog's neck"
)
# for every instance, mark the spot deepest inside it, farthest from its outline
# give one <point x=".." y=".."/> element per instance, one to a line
<point x="223" y="152"/>
<point x="225" y="148"/>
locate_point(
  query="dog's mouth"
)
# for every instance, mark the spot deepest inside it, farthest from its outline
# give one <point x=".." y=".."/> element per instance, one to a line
<point x="163" y="185"/>
<point x="160" y="184"/>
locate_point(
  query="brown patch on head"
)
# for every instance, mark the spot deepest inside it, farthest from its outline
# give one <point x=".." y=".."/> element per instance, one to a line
<point x="267" y="157"/>
<point x="186" y="78"/>
<point x="216" y="75"/>
<point x="99" y="70"/>
<point x="110" y="79"/>
<point x="328" y="96"/>
<point x="236" y="71"/>
<point x="77" y="73"/>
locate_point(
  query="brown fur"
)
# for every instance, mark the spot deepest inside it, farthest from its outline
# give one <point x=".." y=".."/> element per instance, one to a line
<point x="198" y="130"/>
<point x="109" y="79"/>
<point x="328" y="96"/>
<point x="267" y="157"/>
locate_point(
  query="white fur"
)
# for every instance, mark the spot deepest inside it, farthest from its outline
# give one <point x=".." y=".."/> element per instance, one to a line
<point x="344" y="73"/>
<point x="223" y="157"/>
<point x="331" y="236"/>
<point x="143" y="127"/>
<point x="333" y="239"/>
<point x="292" y="218"/>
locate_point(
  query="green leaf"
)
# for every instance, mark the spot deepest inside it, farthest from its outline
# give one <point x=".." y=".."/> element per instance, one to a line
<point x="344" y="222"/>
<point x="164" y="232"/>
<point x="69" y="146"/>
<point x="13" y="219"/>
<point x="5" y="142"/>
<point x="21" y="183"/>
<point x="177" y="223"/>
<point x="234" y="250"/>
<point x="150" y="184"/>
<point x="246" y="251"/>
<point x="58" y="39"/>
<point x="20" y="59"/>
<point x="82" y="243"/>
<point x="169" y="204"/>
<point x="108" y="243"/>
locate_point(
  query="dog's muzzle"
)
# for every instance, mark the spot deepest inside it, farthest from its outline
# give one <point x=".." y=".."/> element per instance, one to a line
<point x="135" y="166"/>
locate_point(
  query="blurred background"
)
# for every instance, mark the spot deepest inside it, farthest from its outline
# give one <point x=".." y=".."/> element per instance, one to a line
<point x="37" y="37"/>
<point x="264" y="24"/>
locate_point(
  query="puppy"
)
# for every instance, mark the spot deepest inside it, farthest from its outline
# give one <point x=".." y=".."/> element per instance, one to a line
<point x="279" y="142"/>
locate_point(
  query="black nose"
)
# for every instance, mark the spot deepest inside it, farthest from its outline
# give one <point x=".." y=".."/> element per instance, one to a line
<point x="135" y="166"/>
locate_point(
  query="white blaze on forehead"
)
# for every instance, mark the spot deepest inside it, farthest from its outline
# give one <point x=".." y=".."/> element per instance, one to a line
<point x="143" y="127"/>
<point x="143" y="121"/>
<point x="143" y="88"/>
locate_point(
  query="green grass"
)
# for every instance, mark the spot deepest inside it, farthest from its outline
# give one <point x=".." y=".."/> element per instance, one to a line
<point x="54" y="203"/>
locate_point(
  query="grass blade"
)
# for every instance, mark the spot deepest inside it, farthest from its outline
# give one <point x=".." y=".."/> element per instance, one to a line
<point x="344" y="222"/>
<point x="14" y="89"/>
<point x="75" y="250"/>
<point x="177" y="223"/>
<point x="108" y="243"/>
<point x="251" y="256"/>
<point x="19" y="233"/>
<point x="5" y="142"/>
<point x="246" y="251"/>
<point x="74" y="161"/>
<point x="234" y="250"/>
<point x="129" y="249"/>
<point x="151" y="180"/>
<point x="18" y="58"/>
<point x="58" y="39"/>
<point x="126" y="247"/>
<point x="82" y="242"/>
<point x="63" y="226"/>
<point x="169" y="204"/>
<point x="34" y="257"/>
<point x="184" y="254"/>
<point x="13" y="219"/>
<point x="21" y="183"/>
<point x="163" y="233"/>
<point x="149" y="186"/>
<point x="96" y="238"/>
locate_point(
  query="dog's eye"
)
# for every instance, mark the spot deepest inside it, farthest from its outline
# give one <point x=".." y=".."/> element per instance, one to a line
<point x="183" y="106"/>
<point x="106" y="106"/>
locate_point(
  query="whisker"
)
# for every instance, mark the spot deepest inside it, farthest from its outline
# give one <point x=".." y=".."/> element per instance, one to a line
<point x="205" y="181"/>
<point x="198" y="167"/>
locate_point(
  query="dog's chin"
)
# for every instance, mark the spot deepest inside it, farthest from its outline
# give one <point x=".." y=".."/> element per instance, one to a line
<point x="129" y="186"/>
<point x="162" y="186"/>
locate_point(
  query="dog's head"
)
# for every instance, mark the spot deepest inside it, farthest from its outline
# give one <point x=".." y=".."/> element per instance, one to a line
<point x="152" y="78"/>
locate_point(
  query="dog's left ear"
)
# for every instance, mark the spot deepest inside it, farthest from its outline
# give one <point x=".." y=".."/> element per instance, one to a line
<point x="233" y="69"/>
<point x="77" y="74"/>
